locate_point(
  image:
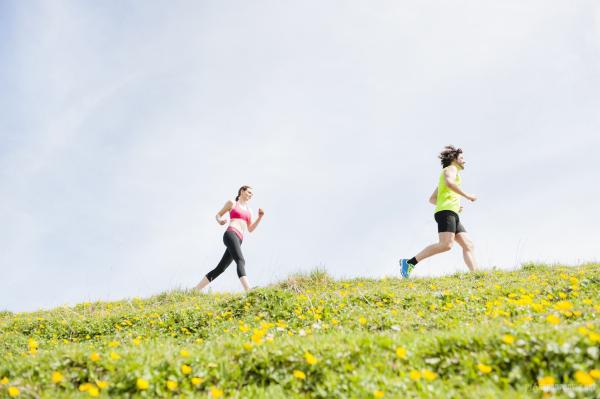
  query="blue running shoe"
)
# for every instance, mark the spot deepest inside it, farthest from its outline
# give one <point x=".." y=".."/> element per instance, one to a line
<point x="405" y="267"/>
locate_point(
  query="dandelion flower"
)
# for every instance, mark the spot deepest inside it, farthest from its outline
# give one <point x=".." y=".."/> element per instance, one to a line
<point x="93" y="391"/>
<point x="57" y="377"/>
<point x="595" y="373"/>
<point x="114" y="356"/>
<point x="414" y="375"/>
<point x="508" y="339"/>
<point x="197" y="381"/>
<point x="299" y="375"/>
<point x="216" y="392"/>
<point x="401" y="352"/>
<point x="172" y="385"/>
<point x="4" y="381"/>
<point x="102" y="384"/>
<point x="485" y="369"/>
<point x="553" y="319"/>
<point x="545" y="381"/>
<point x="584" y="378"/>
<point x="247" y="346"/>
<point x="429" y="375"/>
<point x="13" y="392"/>
<point x="563" y="305"/>
<point x="94" y="357"/>
<point x="185" y="369"/>
<point x="362" y="321"/>
<point x="378" y="394"/>
<point x="142" y="384"/>
<point x="310" y="359"/>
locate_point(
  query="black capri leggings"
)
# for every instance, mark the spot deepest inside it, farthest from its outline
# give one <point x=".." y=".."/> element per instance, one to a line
<point x="232" y="253"/>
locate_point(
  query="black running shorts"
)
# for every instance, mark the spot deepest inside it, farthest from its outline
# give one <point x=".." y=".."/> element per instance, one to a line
<point x="449" y="222"/>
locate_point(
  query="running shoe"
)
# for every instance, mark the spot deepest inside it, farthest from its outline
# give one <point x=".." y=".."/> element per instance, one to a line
<point x="405" y="267"/>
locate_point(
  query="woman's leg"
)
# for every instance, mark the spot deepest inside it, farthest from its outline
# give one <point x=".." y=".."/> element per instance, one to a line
<point x="214" y="273"/>
<point x="234" y="246"/>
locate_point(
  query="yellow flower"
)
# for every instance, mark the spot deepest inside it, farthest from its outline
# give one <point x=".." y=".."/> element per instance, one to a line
<point x="362" y="321"/>
<point x="584" y="378"/>
<point x="114" y="344"/>
<point x="216" y="392"/>
<point x="197" y="381"/>
<point x="378" y="394"/>
<point x="595" y="373"/>
<point x="57" y="377"/>
<point x="185" y="369"/>
<point x="4" y="381"/>
<point x="310" y="359"/>
<point x="137" y="341"/>
<point x="102" y="384"/>
<point x="414" y="375"/>
<point x="553" y="319"/>
<point x="299" y="374"/>
<point x="247" y="346"/>
<point x="563" y="305"/>
<point x="141" y="384"/>
<point x="508" y="339"/>
<point x="429" y="375"/>
<point x="13" y="392"/>
<point x="485" y="369"/>
<point x="94" y="357"/>
<point x="401" y="352"/>
<point x="545" y="381"/>
<point x="114" y="356"/>
<point x="93" y="391"/>
<point x="85" y="387"/>
<point x="33" y="346"/>
<point x="172" y="385"/>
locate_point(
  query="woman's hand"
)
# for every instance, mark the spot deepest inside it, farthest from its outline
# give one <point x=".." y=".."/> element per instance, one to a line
<point x="261" y="212"/>
<point x="222" y="222"/>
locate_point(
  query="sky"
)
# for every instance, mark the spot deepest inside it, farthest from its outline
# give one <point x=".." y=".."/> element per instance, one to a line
<point x="126" y="125"/>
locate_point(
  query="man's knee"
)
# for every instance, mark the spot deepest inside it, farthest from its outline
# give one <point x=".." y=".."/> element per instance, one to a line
<point x="446" y="246"/>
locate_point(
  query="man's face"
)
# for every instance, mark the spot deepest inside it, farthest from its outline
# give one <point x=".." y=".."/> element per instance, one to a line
<point x="460" y="160"/>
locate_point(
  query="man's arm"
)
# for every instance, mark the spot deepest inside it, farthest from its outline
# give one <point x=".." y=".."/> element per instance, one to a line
<point x="433" y="198"/>
<point x="450" y="177"/>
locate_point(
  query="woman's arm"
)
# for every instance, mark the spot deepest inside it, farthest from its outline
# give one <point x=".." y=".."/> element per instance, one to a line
<point x="226" y="208"/>
<point x="257" y="221"/>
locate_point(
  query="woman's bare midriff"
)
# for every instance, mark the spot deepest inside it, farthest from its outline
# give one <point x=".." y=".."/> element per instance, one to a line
<point x="239" y="224"/>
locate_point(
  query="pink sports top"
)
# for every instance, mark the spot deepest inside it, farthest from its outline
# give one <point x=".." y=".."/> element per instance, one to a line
<point x="238" y="213"/>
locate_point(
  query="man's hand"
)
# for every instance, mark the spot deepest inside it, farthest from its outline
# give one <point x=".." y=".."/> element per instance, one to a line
<point x="471" y="197"/>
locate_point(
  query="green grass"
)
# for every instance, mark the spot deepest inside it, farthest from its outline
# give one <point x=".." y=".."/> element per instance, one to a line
<point x="482" y="335"/>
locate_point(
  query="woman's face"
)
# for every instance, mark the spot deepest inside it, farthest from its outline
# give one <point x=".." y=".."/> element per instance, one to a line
<point x="246" y="195"/>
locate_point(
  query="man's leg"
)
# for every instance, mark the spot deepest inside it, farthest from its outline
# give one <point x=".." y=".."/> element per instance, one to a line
<point x="446" y="239"/>
<point x="468" y="250"/>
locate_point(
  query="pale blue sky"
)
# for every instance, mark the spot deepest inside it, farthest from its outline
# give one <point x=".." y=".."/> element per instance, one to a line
<point x="125" y="126"/>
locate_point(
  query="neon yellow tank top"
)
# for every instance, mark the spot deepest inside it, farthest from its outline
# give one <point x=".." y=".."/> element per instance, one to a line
<point x="447" y="200"/>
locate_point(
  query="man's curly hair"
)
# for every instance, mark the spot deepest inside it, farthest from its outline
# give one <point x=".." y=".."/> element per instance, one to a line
<point x="449" y="154"/>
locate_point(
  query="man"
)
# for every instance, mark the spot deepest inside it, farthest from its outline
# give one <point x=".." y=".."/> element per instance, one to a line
<point x="446" y="198"/>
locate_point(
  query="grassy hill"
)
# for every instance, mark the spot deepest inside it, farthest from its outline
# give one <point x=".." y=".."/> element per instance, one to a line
<point x="484" y="335"/>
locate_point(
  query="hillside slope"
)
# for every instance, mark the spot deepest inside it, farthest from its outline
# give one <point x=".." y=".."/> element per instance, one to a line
<point x="484" y="335"/>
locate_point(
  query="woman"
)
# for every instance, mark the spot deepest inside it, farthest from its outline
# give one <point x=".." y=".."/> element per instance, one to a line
<point x="240" y="220"/>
